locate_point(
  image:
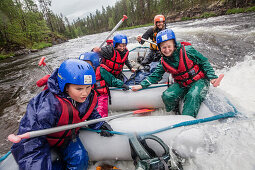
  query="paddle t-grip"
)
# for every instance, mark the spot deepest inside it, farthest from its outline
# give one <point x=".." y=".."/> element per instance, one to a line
<point x="124" y="17"/>
<point x="41" y="62"/>
<point x="17" y="138"/>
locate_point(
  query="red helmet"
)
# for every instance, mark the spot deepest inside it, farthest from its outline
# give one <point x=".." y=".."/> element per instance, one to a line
<point x="158" y="18"/>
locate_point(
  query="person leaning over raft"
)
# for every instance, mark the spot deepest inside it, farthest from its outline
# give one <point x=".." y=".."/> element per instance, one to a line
<point x="191" y="71"/>
<point x="68" y="99"/>
<point x="104" y="80"/>
<point x="113" y="57"/>
<point x="154" y="55"/>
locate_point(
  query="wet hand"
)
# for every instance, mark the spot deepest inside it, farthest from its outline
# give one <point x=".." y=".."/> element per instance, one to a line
<point x="133" y="70"/>
<point x="213" y="81"/>
<point x="96" y="49"/>
<point x="125" y="87"/>
<point x="105" y="128"/>
<point x="139" y="38"/>
<point x="136" y="87"/>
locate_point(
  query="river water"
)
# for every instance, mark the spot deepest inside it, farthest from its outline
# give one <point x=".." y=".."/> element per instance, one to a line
<point x="227" y="41"/>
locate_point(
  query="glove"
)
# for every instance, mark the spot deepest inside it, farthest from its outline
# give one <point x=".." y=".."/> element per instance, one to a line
<point x="125" y="87"/>
<point x="147" y="68"/>
<point x="105" y="127"/>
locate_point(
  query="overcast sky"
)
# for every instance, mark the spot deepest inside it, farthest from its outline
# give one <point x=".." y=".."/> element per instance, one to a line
<point x="72" y="9"/>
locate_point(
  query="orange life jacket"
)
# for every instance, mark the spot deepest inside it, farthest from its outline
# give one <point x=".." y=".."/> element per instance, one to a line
<point x="153" y="46"/>
<point x="70" y="115"/>
<point x="115" y="64"/>
<point x="100" y="86"/>
<point x="187" y="71"/>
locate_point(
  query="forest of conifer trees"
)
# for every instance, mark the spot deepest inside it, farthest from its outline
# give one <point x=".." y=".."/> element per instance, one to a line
<point x="32" y="24"/>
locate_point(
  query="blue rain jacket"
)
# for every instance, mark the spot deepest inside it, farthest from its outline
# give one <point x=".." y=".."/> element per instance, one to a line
<point x="43" y="112"/>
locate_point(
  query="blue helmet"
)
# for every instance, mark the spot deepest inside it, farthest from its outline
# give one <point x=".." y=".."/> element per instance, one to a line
<point x="92" y="57"/>
<point x="165" y="35"/>
<point x="120" y="39"/>
<point x="75" y="71"/>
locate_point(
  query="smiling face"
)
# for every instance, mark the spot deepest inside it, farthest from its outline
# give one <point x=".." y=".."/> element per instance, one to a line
<point x="79" y="93"/>
<point x="167" y="47"/>
<point x="121" y="47"/>
<point x="160" y="24"/>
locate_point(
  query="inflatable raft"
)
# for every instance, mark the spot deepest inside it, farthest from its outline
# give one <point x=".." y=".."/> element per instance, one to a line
<point x="185" y="140"/>
<point x="172" y="129"/>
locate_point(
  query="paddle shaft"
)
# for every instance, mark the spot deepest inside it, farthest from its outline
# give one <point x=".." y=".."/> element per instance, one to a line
<point x="73" y="126"/>
<point x="114" y="29"/>
<point x="17" y="138"/>
<point x="148" y="41"/>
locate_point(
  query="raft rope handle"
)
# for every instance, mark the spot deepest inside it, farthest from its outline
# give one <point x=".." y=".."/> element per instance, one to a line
<point x="185" y="123"/>
<point x="136" y="48"/>
<point x="150" y="87"/>
<point x="5" y="156"/>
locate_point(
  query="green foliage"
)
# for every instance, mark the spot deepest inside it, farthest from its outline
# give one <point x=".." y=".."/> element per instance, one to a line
<point x="208" y="14"/>
<point x="235" y="10"/>
<point x="136" y="26"/>
<point x="251" y="9"/>
<point x="240" y="10"/>
<point x="3" y="56"/>
<point x="204" y="15"/>
<point x="185" y="18"/>
<point x="22" y="24"/>
<point x="40" y="45"/>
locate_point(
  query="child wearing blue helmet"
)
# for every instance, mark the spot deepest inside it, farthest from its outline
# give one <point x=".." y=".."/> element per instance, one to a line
<point x="68" y="99"/>
<point x="113" y="57"/>
<point x="190" y="70"/>
<point x="104" y="80"/>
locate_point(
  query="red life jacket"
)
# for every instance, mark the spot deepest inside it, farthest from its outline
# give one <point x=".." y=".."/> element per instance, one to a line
<point x="70" y="115"/>
<point x="115" y="64"/>
<point x="109" y="42"/>
<point x="187" y="71"/>
<point x="100" y="86"/>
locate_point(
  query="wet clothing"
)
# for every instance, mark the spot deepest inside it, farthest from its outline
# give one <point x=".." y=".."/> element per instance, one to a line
<point x="103" y="77"/>
<point x="114" y="60"/>
<point x="70" y="115"/>
<point x="103" y="105"/>
<point x="187" y="72"/>
<point x="73" y="157"/>
<point x="43" y="112"/>
<point x="154" y="54"/>
<point x="194" y="93"/>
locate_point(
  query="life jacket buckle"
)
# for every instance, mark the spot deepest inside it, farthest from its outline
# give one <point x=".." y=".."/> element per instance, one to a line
<point x="192" y="73"/>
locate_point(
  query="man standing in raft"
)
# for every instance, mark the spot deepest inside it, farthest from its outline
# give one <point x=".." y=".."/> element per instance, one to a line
<point x="191" y="71"/>
<point x="154" y="55"/>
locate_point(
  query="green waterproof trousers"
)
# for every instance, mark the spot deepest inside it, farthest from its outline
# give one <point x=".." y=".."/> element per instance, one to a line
<point x="192" y="95"/>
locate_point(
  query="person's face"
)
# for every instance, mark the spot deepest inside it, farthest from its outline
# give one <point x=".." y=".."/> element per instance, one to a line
<point x="121" y="47"/>
<point x="79" y="93"/>
<point x="167" y="47"/>
<point x="160" y="24"/>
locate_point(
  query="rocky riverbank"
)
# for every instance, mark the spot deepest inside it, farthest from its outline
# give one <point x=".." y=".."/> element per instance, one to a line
<point x="17" y="50"/>
<point x="204" y="11"/>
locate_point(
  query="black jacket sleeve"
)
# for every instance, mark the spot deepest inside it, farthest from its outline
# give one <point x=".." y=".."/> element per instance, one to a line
<point x="148" y="34"/>
<point x="106" y="52"/>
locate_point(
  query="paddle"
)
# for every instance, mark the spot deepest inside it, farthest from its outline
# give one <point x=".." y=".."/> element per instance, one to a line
<point x="148" y="41"/>
<point x="41" y="62"/>
<point x="17" y="138"/>
<point x="114" y="29"/>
